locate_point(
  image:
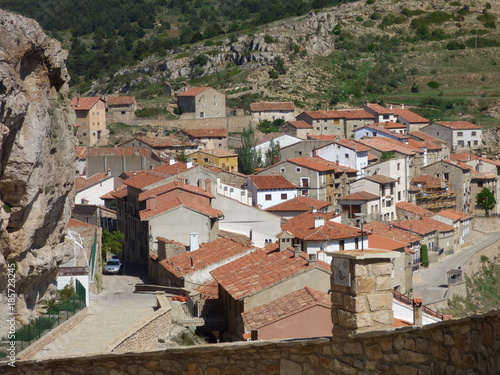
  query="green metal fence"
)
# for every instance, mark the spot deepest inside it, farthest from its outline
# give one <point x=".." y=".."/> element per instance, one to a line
<point x="93" y="257"/>
<point x="56" y="314"/>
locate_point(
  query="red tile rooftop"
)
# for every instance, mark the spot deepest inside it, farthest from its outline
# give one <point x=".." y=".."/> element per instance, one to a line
<point x="272" y="106"/>
<point x="360" y="196"/>
<point x="386" y="144"/>
<point x="388" y="231"/>
<point x="73" y="223"/>
<point x="299" y="204"/>
<point x="414" y="209"/>
<point x="323" y="137"/>
<point x="422" y="227"/>
<point x="285" y="306"/>
<point x="180" y="202"/>
<point x="84" y="103"/>
<point x="145" y="178"/>
<point x="379" y="109"/>
<point x="174" y="185"/>
<point x="457" y="125"/>
<point x="273" y="182"/>
<point x="300" y="124"/>
<point x="355" y="114"/>
<point x="426" y="137"/>
<point x="208" y="254"/>
<point x="381" y="179"/>
<point x="466" y="157"/>
<point x="384" y="243"/>
<point x="120" y="100"/>
<point x="193" y="91"/>
<point x="459" y="164"/>
<point x="455" y="215"/>
<point x="323" y="114"/>
<point x="391" y="125"/>
<point x="352" y="144"/>
<point x="81" y="152"/>
<point x="83" y="183"/>
<point x="410" y="116"/>
<point x="206" y="133"/>
<point x="261" y="269"/>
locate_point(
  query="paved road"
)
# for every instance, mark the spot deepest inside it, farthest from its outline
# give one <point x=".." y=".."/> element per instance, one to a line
<point x="434" y="278"/>
<point x="111" y="313"/>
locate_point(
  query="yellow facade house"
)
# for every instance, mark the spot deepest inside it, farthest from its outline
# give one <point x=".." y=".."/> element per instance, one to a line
<point x="225" y="160"/>
<point x="90" y="121"/>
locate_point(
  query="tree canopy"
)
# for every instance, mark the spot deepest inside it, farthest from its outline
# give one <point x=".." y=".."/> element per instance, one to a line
<point x="486" y="200"/>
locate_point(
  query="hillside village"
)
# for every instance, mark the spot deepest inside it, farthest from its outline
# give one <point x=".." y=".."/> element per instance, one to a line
<point x="250" y="254"/>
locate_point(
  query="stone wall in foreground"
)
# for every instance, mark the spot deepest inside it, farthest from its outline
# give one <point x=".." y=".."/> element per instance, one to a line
<point x="465" y="346"/>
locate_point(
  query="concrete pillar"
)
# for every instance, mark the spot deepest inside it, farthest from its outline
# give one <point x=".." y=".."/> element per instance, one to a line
<point x="361" y="287"/>
<point x="417" y="311"/>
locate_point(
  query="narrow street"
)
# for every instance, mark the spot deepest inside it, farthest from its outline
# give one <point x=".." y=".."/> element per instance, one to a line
<point x="432" y="286"/>
<point x="111" y="313"/>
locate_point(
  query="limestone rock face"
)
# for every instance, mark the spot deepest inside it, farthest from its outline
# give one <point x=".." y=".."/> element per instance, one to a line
<point x="36" y="159"/>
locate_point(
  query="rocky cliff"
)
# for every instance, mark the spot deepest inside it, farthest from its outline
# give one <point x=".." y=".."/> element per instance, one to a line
<point x="36" y="160"/>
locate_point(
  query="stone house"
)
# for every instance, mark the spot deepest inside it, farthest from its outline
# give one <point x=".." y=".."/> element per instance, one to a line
<point x="380" y="113"/>
<point x="90" y="121"/>
<point x="100" y="216"/>
<point x="192" y="268"/>
<point x="202" y="102"/>
<point x="394" y="126"/>
<point x="267" y="191"/>
<point x="262" y="277"/>
<point x="318" y="233"/>
<point x="345" y="152"/>
<point x="341" y="123"/>
<point x="354" y="119"/>
<point x="299" y="129"/>
<point x="462" y="223"/>
<point x="378" y="130"/>
<point x="164" y="147"/>
<point x="315" y="177"/>
<point x="400" y="114"/>
<point x="303" y="313"/>
<point x="121" y="109"/>
<point x="207" y="138"/>
<point x="271" y="111"/>
<point x="361" y="202"/>
<point x="297" y="206"/>
<point x="303" y="148"/>
<point x="457" y="176"/>
<point x="441" y="148"/>
<point x="214" y="157"/>
<point x="459" y="135"/>
<point x="409" y="211"/>
<point x="439" y="237"/>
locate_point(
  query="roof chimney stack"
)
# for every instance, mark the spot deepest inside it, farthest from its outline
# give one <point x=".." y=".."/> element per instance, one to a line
<point x="417" y="311"/>
<point x="318" y="221"/>
<point x="297" y="251"/>
<point x="313" y="258"/>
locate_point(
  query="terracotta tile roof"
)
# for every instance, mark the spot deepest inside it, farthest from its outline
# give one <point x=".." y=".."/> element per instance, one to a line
<point x="422" y="227"/>
<point x="466" y="156"/>
<point x="209" y="290"/>
<point x="410" y="116"/>
<point x="81" y="152"/>
<point x="360" y="196"/>
<point x="302" y="227"/>
<point x="425" y="144"/>
<point x="117" y="151"/>
<point x="483" y="176"/>
<point x="298" y="204"/>
<point x="174" y="185"/>
<point x="379" y="109"/>
<point x="120" y="100"/>
<point x="180" y="202"/>
<point x="111" y="195"/>
<point x="217" y="152"/>
<point x="355" y="114"/>
<point x="397" y="323"/>
<point x="352" y="144"/>
<point x="73" y="223"/>
<point x="414" y="209"/>
<point x="208" y="254"/>
<point x="455" y="215"/>
<point x="390" y="232"/>
<point x="145" y="178"/>
<point x="457" y="125"/>
<point x="274" y="182"/>
<point x="386" y="144"/>
<point x="381" y="179"/>
<point x="323" y="137"/>
<point x="372" y="157"/>
<point x="391" y="125"/>
<point x="261" y="269"/>
<point x="299" y="124"/>
<point x="272" y="106"/>
<point x="379" y="242"/>
<point x="319" y="164"/>
<point x="293" y="303"/>
<point x="384" y="130"/>
<point x="84" y="103"/>
<point x="206" y="133"/>
<point x="83" y="183"/>
<point x="426" y="180"/>
<point x="160" y="142"/>
<point x="234" y="236"/>
<point x="463" y="166"/>
<point x="193" y="91"/>
<point x="119" y="193"/>
<point x="426" y="137"/>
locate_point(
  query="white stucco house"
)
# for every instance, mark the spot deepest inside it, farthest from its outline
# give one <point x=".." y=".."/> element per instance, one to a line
<point x="347" y="153"/>
<point x="90" y="190"/>
<point x="268" y="191"/>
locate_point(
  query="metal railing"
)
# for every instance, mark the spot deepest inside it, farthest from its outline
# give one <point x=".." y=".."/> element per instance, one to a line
<point x="56" y="314"/>
<point x="409" y="301"/>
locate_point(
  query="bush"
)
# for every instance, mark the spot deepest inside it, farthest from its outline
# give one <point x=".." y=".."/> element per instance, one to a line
<point x="454" y="45"/>
<point x="200" y="60"/>
<point x="433" y="85"/>
<point x="273" y="74"/>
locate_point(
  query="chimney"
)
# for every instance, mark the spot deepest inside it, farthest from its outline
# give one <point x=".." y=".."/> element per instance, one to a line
<point x="297" y="251"/>
<point x="208" y="185"/>
<point x="171" y="161"/>
<point x="189" y="163"/>
<point x="151" y="203"/>
<point x="417" y="311"/>
<point x="318" y="221"/>
<point x="200" y="184"/>
<point x="313" y="258"/>
<point x="275" y="159"/>
<point x="193" y="241"/>
<point x="390" y="106"/>
<point x="108" y="172"/>
<point x="314" y="209"/>
<point x="402" y="106"/>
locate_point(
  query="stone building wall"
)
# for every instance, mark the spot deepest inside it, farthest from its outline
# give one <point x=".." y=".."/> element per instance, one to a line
<point x="469" y="345"/>
<point x="231" y="123"/>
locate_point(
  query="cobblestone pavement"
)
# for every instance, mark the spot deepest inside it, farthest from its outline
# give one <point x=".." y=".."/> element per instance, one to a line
<point x="111" y="313"/>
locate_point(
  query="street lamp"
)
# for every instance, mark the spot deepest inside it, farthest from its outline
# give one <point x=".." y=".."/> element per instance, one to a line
<point x="361" y="216"/>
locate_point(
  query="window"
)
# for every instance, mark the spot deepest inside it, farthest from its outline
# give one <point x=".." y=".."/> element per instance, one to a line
<point x="202" y="114"/>
<point x="388" y="203"/>
<point x="475" y="143"/>
<point x="284" y="196"/>
<point x="298" y="170"/>
<point x="480" y="184"/>
<point x="473" y="133"/>
<point x="325" y="128"/>
<point x="123" y="112"/>
<point x="215" y="104"/>
<point x="304" y="182"/>
<point x="282" y="170"/>
<point x="446" y="176"/>
<point x="341" y="245"/>
<point x="461" y="143"/>
<point x="399" y="180"/>
<point x="356" y="243"/>
<point x="268" y="197"/>
<point x="460" y="134"/>
<point x="317" y="128"/>
<point x="398" y="166"/>
<point x="346" y="156"/>
<point x="205" y="160"/>
<point x="304" y="193"/>
<point x="399" y="195"/>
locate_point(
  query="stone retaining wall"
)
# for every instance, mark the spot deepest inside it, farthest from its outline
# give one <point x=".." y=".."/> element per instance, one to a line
<point x="465" y="346"/>
<point x="231" y="123"/>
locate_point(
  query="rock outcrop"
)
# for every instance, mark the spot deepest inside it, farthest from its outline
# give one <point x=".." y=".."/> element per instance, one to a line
<point x="36" y="160"/>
